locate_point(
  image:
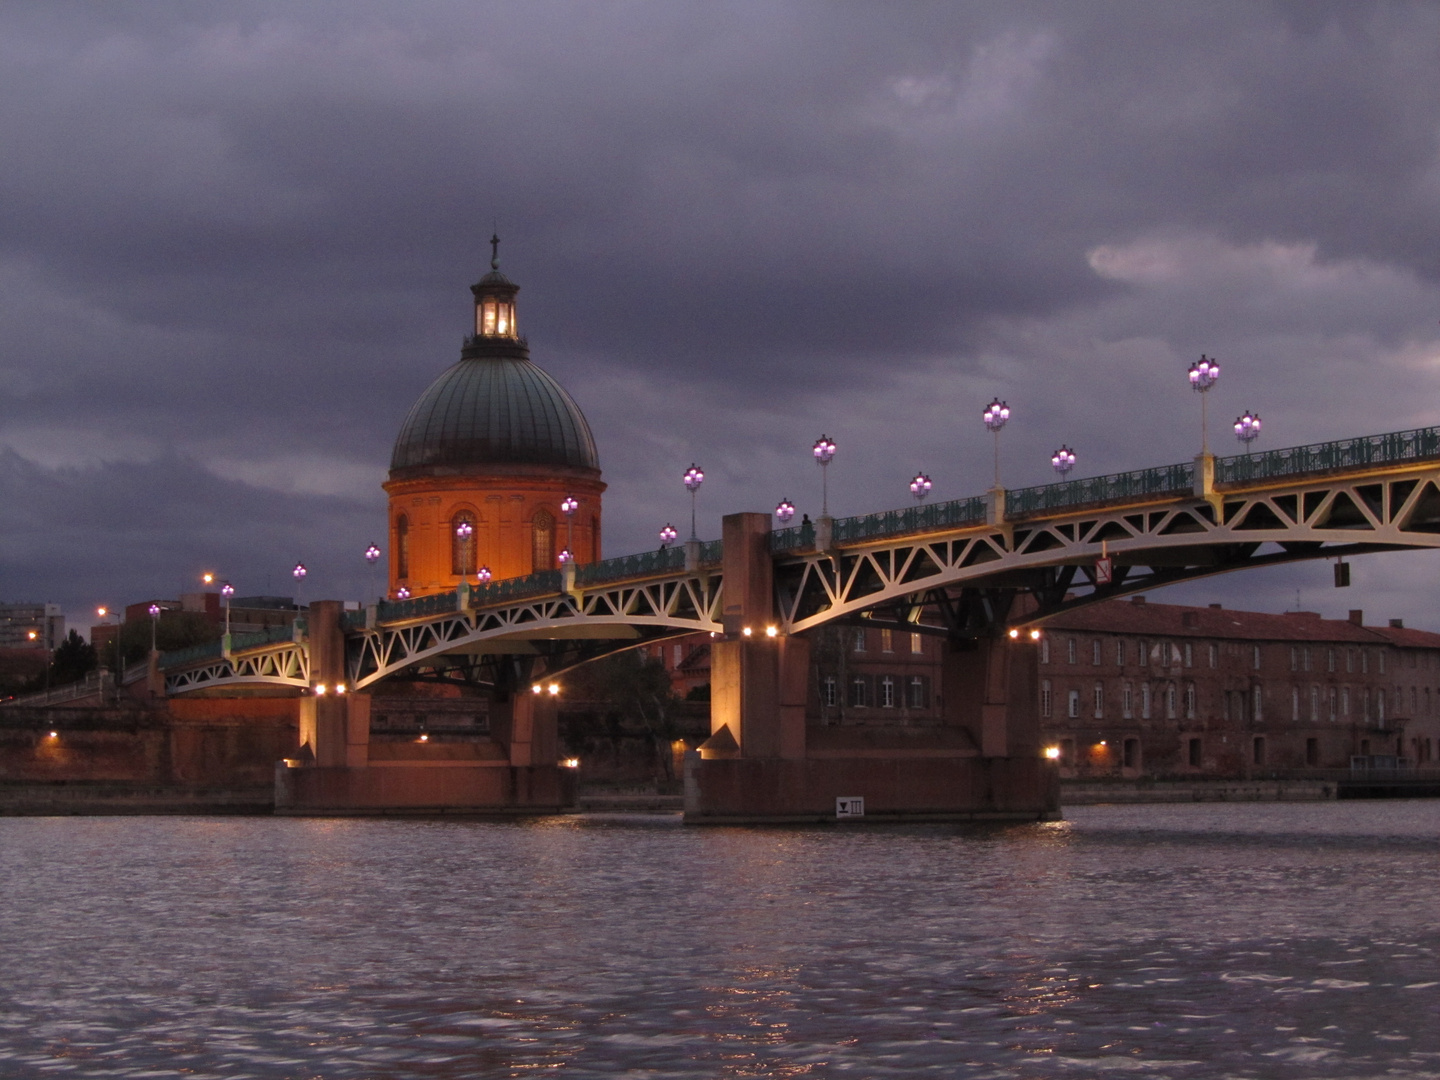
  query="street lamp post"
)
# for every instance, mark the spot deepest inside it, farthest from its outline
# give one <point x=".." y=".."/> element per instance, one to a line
<point x="995" y="416"/>
<point x="1204" y="374"/>
<point x="694" y="477"/>
<point x="464" y="531"/>
<point x="227" y="591"/>
<point x="372" y="556"/>
<point x="154" y="610"/>
<point x="1247" y="429"/>
<point x="920" y="487"/>
<point x="785" y="510"/>
<point x="824" y="451"/>
<point x="667" y="536"/>
<point x="299" y="575"/>
<point x="568" y="507"/>
<point x="1063" y="460"/>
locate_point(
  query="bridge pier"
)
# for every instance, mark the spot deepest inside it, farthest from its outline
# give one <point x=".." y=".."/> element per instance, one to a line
<point x="763" y="762"/>
<point x="337" y="770"/>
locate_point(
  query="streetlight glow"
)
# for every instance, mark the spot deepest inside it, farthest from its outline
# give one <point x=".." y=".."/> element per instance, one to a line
<point x="785" y="510"/>
<point x="1204" y="374"/>
<point x="483" y="575"/>
<point x="668" y="535"/>
<point x="1063" y="460"/>
<point x="920" y="486"/>
<point x="1247" y="429"/>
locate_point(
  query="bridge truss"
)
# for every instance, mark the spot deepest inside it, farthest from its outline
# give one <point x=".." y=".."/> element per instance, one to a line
<point x="1381" y="493"/>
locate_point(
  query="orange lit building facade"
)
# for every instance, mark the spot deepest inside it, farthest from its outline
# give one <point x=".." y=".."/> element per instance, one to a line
<point x="486" y="464"/>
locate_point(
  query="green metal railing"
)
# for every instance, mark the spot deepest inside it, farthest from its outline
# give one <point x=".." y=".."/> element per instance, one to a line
<point x="647" y="562"/>
<point x="1418" y="445"/>
<point x="268" y="636"/>
<point x="206" y="650"/>
<point x="956" y="512"/>
<point x="712" y="552"/>
<point x="1164" y="480"/>
<point x="795" y="538"/>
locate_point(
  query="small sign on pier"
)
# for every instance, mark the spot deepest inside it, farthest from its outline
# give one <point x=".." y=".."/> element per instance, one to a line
<point x="848" y="806"/>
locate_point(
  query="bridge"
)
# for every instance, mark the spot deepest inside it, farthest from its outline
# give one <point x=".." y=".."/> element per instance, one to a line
<point x="977" y="571"/>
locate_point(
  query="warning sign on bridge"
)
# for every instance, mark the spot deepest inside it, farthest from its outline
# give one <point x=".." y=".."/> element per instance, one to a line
<point x="849" y="806"/>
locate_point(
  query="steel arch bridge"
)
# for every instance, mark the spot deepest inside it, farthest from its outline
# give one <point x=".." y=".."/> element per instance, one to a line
<point x="967" y="560"/>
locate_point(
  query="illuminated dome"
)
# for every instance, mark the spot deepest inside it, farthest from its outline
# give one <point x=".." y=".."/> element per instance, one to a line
<point x="493" y="410"/>
<point x="494" y="407"/>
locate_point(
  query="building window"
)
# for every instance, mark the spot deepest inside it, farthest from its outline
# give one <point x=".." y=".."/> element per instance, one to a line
<point x="1099" y="701"/>
<point x="1120" y="653"/>
<point x="462" y="547"/>
<point x="1314" y="703"/>
<point x="1312" y="751"/>
<point x="887" y="693"/>
<point x="1255" y="658"/>
<point x="1364" y="661"/>
<point x="1257" y="750"/>
<point x="887" y="641"/>
<point x="1333" y="695"/>
<point x="542" y="541"/>
<point x="1380" y="706"/>
<point x="827" y="691"/>
<point x="1194" y="753"/>
<point x="1045" y="650"/>
<point x="1214" y="654"/>
<point x="1130" y="756"/>
<point x="1046" y="703"/>
<point x="1189" y="654"/>
<point x="1345" y="701"/>
<point x="859" y="643"/>
<point x="1382" y="662"/>
<point x="1145" y="701"/>
<point x="920" y="692"/>
<point x="1294" y="658"/>
<point x="917" y="644"/>
<point x="678" y="653"/>
<point x="859" y="693"/>
<point x="1074" y="707"/>
<point x="1170" y="701"/>
<point x="1330" y="661"/>
<point x="1190" y="701"/>
<point x="1127" y="700"/>
<point x="1365" y="702"/>
<point x="1095" y="652"/>
<point x="1305" y="657"/>
<point x="1256" y="713"/>
<point x="402" y="547"/>
<point x="1295" y="704"/>
<point x="1072" y="650"/>
<point x="1067" y="751"/>
<point x="1349" y="661"/>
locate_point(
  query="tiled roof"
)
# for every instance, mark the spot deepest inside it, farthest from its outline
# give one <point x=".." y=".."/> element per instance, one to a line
<point x="1176" y="620"/>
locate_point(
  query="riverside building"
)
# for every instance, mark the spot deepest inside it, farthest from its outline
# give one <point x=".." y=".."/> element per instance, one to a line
<point x="1130" y="689"/>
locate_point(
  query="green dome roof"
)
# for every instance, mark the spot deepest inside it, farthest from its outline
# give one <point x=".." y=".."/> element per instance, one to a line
<point x="494" y="410"/>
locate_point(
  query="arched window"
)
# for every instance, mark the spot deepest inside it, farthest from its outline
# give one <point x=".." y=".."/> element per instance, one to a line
<point x="542" y="541"/>
<point x="402" y="547"/>
<point x="462" y="543"/>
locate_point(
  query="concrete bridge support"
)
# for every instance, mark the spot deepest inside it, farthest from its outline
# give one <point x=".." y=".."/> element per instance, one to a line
<point x="763" y="762"/>
<point x="337" y="769"/>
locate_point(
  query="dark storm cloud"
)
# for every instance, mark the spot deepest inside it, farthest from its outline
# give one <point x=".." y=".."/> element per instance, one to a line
<point x="235" y="241"/>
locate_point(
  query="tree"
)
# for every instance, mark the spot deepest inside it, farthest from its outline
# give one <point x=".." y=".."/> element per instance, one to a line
<point x="74" y="659"/>
<point x="630" y="690"/>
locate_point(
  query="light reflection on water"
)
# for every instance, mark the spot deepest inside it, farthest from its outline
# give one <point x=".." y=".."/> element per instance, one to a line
<point x="1188" y="941"/>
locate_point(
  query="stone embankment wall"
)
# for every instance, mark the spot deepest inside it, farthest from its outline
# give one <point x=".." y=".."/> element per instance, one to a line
<point x="182" y="756"/>
<point x="1074" y="793"/>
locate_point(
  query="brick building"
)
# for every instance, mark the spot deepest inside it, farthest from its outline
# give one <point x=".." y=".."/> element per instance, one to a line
<point x="1131" y="689"/>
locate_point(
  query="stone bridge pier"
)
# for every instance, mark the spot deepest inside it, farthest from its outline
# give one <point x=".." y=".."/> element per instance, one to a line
<point x="764" y="762"/>
<point x="337" y="769"/>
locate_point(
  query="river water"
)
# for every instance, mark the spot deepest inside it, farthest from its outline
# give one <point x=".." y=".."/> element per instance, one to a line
<point x="1273" y="941"/>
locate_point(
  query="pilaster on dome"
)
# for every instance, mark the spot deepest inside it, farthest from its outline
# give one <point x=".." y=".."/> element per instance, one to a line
<point x="495" y="302"/>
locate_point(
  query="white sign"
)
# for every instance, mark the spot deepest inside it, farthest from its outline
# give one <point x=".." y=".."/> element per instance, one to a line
<point x="1104" y="571"/>
<point x="850" y="806"/>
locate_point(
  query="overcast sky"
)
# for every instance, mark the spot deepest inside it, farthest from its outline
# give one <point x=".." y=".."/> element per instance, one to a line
<point x="236" y="242"/>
